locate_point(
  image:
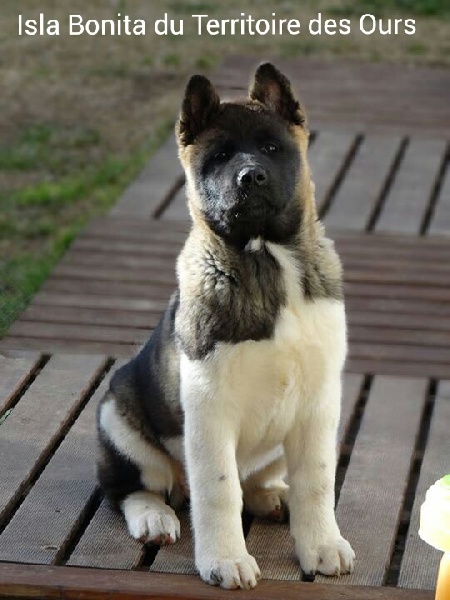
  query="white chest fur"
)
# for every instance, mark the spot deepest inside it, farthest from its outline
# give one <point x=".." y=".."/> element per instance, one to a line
<point x="261" y="388"/>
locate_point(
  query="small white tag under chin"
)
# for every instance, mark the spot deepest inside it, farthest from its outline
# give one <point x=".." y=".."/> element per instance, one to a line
<point x="254" y="244"/>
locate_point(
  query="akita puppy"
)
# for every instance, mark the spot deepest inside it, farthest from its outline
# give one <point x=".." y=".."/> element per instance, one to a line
<point x="238" y="389"/>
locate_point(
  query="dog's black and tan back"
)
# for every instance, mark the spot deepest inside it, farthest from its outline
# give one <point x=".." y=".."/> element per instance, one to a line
<point x="244" y="367"/>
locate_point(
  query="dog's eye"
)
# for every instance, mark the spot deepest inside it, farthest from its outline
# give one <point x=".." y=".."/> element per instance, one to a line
<point x="270" y="148"/>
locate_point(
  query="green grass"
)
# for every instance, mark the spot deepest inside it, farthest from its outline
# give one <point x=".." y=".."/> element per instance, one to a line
<point x="73" y="187"/>
<point x="22" y="276"/>
<point x="206" y="62"/>
<point x="172" y="60"/>
<point x="49" y="146"/>
<point x="193" y="7"/>
<point x="53" y="213"/>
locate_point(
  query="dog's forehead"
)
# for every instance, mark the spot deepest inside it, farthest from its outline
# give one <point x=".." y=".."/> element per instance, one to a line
<point x="243" y="119"/>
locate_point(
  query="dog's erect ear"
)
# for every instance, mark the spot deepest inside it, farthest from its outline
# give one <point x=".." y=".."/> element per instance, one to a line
<point x="200" y="103"/>
<point x="273" y="89"/>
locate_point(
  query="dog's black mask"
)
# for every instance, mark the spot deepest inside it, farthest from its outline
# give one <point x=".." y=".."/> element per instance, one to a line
<point x="245" y="162"/>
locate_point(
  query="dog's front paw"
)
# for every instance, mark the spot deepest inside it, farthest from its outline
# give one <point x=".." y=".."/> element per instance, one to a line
<point x="155" y="525"/>
<point x="230" y="573"/>
<point x="332" y="559"/>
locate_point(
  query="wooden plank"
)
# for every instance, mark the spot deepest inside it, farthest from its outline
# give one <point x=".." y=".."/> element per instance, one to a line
<point x="91" y="316"/>
<point x="429" y="293"/>
<point x="398" y="321"/>
<point x="399" y="352"/>
<point x="407" y="200"/>
<point x="376" y="248"/>
<point x="179" y="558"/>
<point x="137" y="236"/>
<point x="61" y="496"/>
<point x="111" y="288"/>
<point x="358" y="194"/>
<point x="353" y="239"/>
<point x="390" y="366"/>
<point x="420" y="561"/>
<point x="79" y="332"/>
<point x="14" y="373"/>
<point x="398" y="276"/>
<point x="177" y="210"/>
<point x="327" y="158"/>
<point x="65" y="583"/>
<point x="106" y="543"/>
<point x="96" y="278"/>
<point x="90" y="301"/>
<point x="114" y="350"/>
<point x="146" y="193"/>
<point x="137" y="229"/>
<point x="352" y="385"/>
<point x="132" y="261"/>
<point x="402" y="306"/>
<point x="377" y="475"/>
<point x="424" y="252"/>
<point x="154" y="248"/>
<point x="440" y="220"/>
<point x="418" y="337"/>
<point x="29" y="433"/>
<point x="157" y="275"/>
<point x="146" y="253"/>
<point x="271" y="543"/>
<point x="399" y="266"/>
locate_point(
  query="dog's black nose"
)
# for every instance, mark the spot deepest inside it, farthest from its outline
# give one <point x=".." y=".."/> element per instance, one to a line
<point x="252" y="176"/>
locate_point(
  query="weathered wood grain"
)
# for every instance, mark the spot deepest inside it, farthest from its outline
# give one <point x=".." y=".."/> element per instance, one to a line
<point x="356" y="198"/>
<point x="420" y="561"/>
<point x="50" y="515"/>
<point x="15" y="372"/>
<point x="65" y="583"/>
<point x="407" y="200"/>
<point x="39" y="420"/>
<point x="150" y="189"/>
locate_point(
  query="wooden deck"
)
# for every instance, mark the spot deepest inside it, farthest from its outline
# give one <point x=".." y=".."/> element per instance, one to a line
<point x="393" y="441"/>
<point x="383" y="190"/>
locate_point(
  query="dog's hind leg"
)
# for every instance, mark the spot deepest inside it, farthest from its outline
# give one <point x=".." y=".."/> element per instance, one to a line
<point x="265" y="492"/>
<point x="136" y="476"/>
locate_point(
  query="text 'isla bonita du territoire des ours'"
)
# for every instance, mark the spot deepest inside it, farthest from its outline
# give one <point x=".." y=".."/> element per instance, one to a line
<point x="77" y="25"/>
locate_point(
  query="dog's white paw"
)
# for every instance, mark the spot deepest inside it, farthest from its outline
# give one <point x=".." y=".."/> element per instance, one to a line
<point x="269" y="503"/>
<point x="150" y="520"/>
<point x="332" y="559"/>
<point x="230" y="573"/>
